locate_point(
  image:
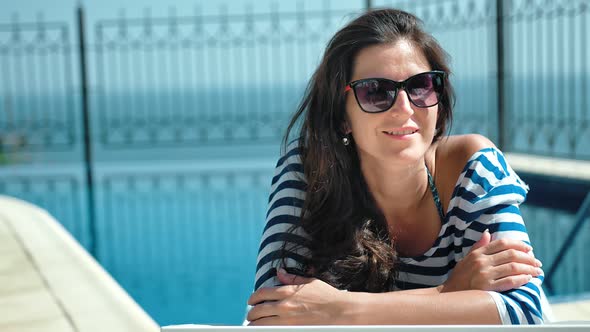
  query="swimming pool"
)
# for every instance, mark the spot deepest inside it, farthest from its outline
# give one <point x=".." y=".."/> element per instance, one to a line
<point x="182" y="236"/>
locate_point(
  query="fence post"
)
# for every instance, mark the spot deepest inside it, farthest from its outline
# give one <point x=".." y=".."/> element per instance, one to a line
<point x="368" y="5"/>
<point x="87" y="144"/>
<point x="500" y="58"/>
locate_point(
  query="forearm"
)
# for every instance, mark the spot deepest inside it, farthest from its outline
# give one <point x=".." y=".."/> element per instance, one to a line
<point x="407" y="308"/>
<point x="422" y="291"/>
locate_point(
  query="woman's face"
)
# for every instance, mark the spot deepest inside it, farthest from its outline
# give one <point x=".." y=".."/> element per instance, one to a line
<point x="403" y="133"/>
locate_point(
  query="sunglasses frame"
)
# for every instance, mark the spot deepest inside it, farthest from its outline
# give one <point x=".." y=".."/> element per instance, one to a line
<point x="398" y="85"/>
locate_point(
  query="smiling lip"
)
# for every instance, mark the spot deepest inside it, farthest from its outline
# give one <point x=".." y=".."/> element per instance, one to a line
<point x="401" y="133"/>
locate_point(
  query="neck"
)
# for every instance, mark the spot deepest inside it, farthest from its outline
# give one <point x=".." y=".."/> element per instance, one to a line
<point x="398" y="190"/>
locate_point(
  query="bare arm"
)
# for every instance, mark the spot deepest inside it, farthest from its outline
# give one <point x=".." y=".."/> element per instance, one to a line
<point x="457" y="301"/>
<point x="464" y="307"/>
<point x="307" y="301"/>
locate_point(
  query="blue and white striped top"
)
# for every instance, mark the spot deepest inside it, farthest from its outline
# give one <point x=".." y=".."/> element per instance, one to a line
<point x="487" y="195"/>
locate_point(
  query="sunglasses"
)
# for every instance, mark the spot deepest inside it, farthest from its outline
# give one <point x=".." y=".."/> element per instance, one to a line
<point x="375" y="95"/>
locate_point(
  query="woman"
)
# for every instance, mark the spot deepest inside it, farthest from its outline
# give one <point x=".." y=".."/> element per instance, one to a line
<point x="375" y="200"/>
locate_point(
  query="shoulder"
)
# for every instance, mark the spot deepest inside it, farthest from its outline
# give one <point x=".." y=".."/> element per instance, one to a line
<point x="289" y="164"/>
<point x="479" y="167"/>
<point x="457" y="150"/>
<point x="466" y="153"/>
<point x="452" y="154"/>
<point x="472" y="163"/>
<point x="290" y="154"/>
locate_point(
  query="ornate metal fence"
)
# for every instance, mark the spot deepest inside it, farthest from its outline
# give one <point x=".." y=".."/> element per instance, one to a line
<point x="37" y="96"/>
<point x="204" y="79"/>
<point x="521" y="76"/>
<point x="547" y="82"/>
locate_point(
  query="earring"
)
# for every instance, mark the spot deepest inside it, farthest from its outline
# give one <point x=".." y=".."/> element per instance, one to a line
<point x="345" y="141"/>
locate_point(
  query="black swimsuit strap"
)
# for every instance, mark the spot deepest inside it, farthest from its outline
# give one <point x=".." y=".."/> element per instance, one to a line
<point x="435" y="195"/>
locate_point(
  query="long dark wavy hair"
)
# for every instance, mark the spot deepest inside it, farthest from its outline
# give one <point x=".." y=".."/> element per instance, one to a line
<point x="349" y="243"/>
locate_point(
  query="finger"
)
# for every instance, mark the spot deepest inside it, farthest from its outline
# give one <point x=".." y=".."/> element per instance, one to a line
<point x="511" y="282"/>
<point x="516" y="256"/>
<point x="267" y="309"/>
<point x="504" y="244"/>
<point x="270" y="294"/>
<point x="291" y="279"/>
<point x="267" y="321"/>
<point x="483" y="241"/>
<point x="513" y="269"/>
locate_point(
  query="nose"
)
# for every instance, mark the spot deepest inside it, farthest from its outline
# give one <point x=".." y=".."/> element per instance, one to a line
<point x="402" y="104"/>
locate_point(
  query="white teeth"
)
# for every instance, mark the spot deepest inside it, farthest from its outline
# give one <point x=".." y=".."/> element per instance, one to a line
<point x="403" y="132"/>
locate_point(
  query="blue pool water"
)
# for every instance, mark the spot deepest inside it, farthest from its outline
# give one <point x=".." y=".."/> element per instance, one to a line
<point x="181" y="237"/>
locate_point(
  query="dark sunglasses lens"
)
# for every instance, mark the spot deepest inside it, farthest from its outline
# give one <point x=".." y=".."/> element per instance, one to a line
<point x="375" y="95"/>
<point x="425" y="89"/>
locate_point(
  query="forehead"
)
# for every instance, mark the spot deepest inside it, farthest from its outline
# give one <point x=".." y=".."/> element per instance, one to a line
<point x="396" y="61"/>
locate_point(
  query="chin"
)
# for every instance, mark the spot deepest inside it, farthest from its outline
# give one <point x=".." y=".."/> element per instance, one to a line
<point x="408" y="155"/>
<point x="395" y="154"/>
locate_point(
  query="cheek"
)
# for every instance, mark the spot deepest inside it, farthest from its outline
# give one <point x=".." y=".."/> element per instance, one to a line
<point x="432" y="121"/>
<point x="426" y="119"/>
<point x="351" y="103"/>
<point x="436" y="116"/>
<point x="433" y="116"/>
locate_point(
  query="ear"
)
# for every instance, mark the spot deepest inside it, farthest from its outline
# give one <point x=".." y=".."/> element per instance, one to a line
<point x="345" y="127"/>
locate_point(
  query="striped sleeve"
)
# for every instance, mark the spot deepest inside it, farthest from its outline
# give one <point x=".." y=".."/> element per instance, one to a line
<point x="284" y="209"/>
<point x="489" y="194"/>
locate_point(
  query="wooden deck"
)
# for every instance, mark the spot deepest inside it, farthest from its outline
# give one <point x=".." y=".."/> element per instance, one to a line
<point x="48" y="282"/>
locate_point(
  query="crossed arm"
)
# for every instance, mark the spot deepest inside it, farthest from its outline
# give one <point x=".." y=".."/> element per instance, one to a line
<point x="490" y="265"/>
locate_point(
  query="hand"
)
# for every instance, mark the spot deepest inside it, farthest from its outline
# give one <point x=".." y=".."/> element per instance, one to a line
<point x="498" y="266"/>
<point x="302" y="301"/>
